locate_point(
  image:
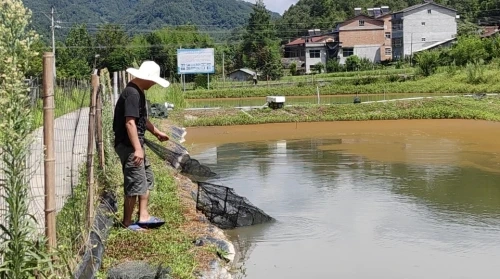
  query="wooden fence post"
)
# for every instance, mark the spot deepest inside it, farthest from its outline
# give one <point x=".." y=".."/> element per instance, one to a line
<point x="48" y="142"/>
<point x="89" y="217"/>
<point x="100" y="146"/>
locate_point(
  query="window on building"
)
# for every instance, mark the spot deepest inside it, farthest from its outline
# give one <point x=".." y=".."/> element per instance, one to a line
<point x="388" y="51"/>
<point x="423" y="22"/>
<point x="346" y="52"/>
<point x="315" y="53"/>
<point x="398" y="42"/>
<point x="387" y="35"/>
<point x="423" y="39"/>
<point x="429" y="11"/>
<point x="361" y="23"/>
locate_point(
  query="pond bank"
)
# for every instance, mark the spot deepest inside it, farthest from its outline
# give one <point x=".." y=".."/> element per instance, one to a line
<point x="187" y="246"/>
<point x="484" y="108"/>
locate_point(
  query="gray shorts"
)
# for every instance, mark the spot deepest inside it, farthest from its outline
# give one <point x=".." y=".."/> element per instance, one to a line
<point x="136" y="179"/>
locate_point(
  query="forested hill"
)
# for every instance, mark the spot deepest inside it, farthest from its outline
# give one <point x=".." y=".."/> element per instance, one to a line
<point x="324" y="14"/>
<point x="141" y="15"/>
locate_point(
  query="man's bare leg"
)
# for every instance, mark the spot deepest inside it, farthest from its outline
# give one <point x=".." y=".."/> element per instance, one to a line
<point x="128" y="210"/>
<point x="143" y="207"/>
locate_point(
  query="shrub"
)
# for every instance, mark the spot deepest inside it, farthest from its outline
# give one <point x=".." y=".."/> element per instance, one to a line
<point x="427" y="62"/>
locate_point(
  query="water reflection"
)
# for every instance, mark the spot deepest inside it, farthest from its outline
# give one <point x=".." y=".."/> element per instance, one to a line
<point x="340" y="214"/>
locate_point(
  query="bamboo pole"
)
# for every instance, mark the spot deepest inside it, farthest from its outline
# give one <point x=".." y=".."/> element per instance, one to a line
<point x="89" y="217"/>
<point x="124" y="78"/>
<point x="48" y="142"/>
<point x="100" y="146"/>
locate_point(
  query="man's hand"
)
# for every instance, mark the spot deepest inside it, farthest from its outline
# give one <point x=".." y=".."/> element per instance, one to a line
<point x="162" y="136"/>
<point x="138" y="157"/>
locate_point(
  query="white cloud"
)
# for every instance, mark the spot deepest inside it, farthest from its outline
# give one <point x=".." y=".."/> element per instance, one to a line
<point x="277" y="5"/>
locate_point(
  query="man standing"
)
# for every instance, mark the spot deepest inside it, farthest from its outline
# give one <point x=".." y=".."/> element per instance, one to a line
<point x="129" y="125"/>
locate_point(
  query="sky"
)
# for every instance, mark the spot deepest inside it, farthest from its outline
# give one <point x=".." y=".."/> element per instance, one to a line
<point x="278" y="6"/>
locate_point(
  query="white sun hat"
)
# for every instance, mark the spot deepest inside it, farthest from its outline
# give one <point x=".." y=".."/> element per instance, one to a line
<point x="149" y="70"/>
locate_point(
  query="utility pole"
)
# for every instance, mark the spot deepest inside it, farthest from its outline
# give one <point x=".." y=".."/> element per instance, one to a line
<point x="223" y="70"/>
<point x="53" y="26"/>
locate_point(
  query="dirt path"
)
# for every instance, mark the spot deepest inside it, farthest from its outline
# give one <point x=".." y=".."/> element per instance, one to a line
<point x="71" y="132"/>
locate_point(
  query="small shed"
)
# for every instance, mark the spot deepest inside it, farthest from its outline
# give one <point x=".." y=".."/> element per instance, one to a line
<point x="242" y="74"/>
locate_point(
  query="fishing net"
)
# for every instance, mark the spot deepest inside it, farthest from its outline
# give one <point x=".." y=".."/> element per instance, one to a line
<point x="178" y="157"/>
<point x="224" y="208"/>
<point x="220" y="204"/>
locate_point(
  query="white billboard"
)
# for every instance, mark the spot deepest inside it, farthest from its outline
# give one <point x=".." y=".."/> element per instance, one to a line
<point x="196" y="61"/>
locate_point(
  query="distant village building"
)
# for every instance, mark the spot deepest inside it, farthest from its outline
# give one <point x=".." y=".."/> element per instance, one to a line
<point x="378" y="35"/>
<point x="422" y="26"/>
<point x="242" y="74"/>
<point x="310" y="50"/>
<point x="366" y="35"/>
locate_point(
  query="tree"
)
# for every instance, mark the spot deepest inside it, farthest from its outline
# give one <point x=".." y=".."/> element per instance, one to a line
<point x="468" y="49"/>
<point x="260" y="47"/>
<point x="22" y="256"/>
<point x="111" y="41"/>
<point x="75" y="58"/>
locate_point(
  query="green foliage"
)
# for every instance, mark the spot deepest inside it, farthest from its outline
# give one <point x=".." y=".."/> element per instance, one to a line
<point x="427" y="62"/>
<point x="333" y="65"/>
<point x="475" y="72"/>
<point x="353" y="63"/>
<point x="218" y="16"/>
<point x="163" y="44"/>
<point x="173" y="94"/>
<point x="369" y="82"/>
<point x="111" y="41"/>
<point x="22" y="248"/>
<point x="293" y="69"/>
<point x="436" y="108"/>
<point x="260" y="48"/>
<point x="319" y="68"/>
<point x="466" y="28"/>
<point x="201" y="81"/>
<point x="468" y="49"/>
<point x="74" y="57"/>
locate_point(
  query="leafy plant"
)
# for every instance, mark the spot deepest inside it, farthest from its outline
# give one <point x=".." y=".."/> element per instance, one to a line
<point x="475" y="72"/>
<point x="353" y="63"/>
<point x="427" y="62"/>
<point x="23" y="250"/>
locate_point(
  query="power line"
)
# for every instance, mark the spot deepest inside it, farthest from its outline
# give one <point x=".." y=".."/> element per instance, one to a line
<point x="275" y="23"/>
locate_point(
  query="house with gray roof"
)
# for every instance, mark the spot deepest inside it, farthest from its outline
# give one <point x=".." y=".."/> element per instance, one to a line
<point x="242" y="74"/>
<point x="422" y="26"/>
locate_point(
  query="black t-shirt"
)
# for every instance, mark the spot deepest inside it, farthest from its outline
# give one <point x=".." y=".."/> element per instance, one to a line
<point x="131" y="103"/>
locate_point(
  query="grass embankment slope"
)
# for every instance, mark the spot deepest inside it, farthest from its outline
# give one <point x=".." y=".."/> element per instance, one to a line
<point x="432" y="108"/>
<point x="452" y="80"/>
<point x="172" y="245"/>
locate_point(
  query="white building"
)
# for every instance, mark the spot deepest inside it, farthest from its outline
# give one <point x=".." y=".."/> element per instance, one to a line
<point x="421" y="26"/>
<point x="311" y="50"/>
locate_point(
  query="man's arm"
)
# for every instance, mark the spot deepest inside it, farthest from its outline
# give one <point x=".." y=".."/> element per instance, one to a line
<point x="134" y="139"/>
<point x="132" y="132"/>
<point x="151" y="128"/>
<point x="157" y="133"/>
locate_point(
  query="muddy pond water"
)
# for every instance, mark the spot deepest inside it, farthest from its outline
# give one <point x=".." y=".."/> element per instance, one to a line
<point x="378" y="199"/>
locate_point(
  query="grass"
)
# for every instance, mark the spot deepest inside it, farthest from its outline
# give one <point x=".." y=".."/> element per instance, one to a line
<point x="436" y="108"/>
<point x="444" y="81"/>
<point x="66" y="101"/>
<point x="170" y="245"/>
<point x="173" y="95"/>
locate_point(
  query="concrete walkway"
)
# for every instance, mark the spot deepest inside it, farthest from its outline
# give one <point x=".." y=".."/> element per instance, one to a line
<point x="71" y="136"/>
